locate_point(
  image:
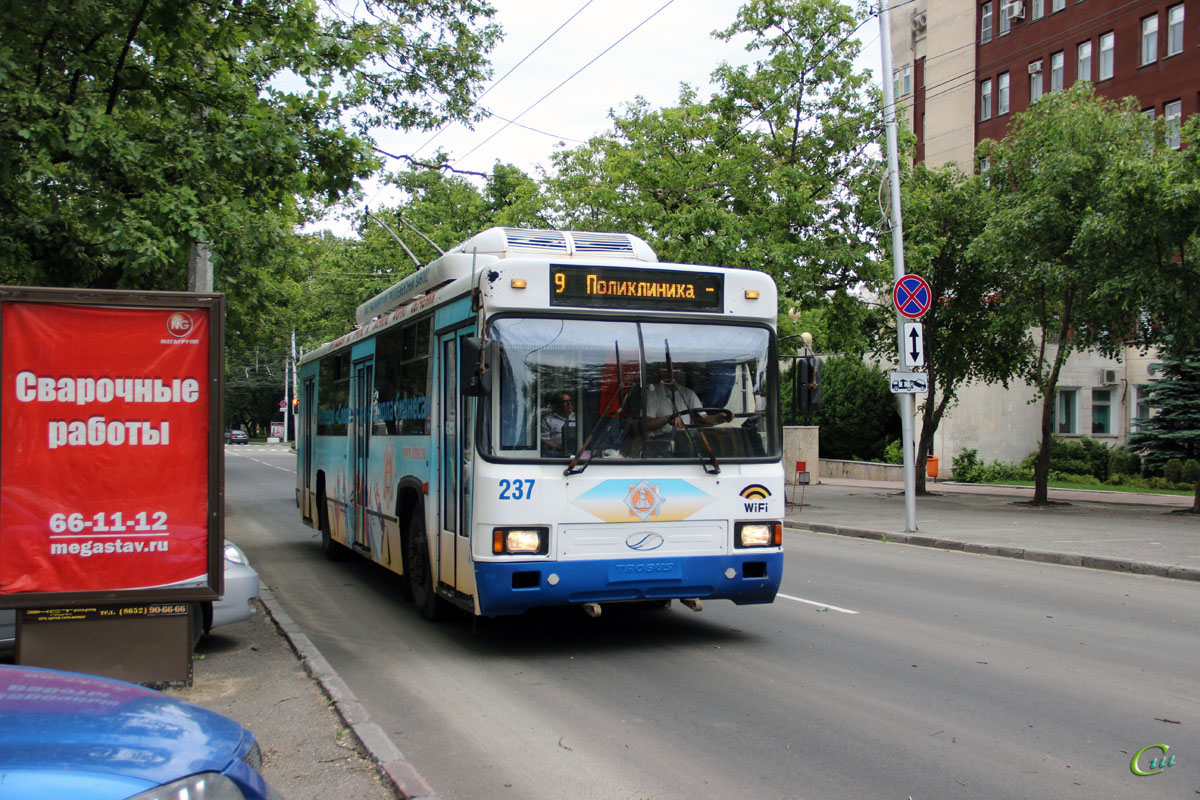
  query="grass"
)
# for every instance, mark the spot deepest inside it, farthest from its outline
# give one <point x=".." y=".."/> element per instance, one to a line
<point x="1100" y="487"/>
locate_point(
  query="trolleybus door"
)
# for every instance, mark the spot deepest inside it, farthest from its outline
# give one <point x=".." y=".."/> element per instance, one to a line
<point x="360" y="422"/>
<point x="304" y="440"/>
<point x="455" y="430"/>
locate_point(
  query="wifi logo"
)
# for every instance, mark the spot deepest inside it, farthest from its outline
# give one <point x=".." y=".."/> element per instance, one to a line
<point x="755" y="496"/>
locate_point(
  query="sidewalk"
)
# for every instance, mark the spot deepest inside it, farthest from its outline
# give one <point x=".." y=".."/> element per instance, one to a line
<point x="1100" y="530"/>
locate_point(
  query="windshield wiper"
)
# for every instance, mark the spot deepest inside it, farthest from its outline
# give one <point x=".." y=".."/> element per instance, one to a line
<point x="574" y="468"/>
<point x="711" y="466"/>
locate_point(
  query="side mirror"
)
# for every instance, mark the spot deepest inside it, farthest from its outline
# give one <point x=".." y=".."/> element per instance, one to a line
<point x="474" y="380"/>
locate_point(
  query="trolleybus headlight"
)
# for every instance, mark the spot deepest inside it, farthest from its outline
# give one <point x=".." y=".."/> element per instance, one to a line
<point x="758" y="534"/>
<point x="523" y="541"/>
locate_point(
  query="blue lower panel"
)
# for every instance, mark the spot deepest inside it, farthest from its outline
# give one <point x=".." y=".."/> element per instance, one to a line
<point x="513" y="587"/>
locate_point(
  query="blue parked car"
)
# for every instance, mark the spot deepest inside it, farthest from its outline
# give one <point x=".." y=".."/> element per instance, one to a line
<point x="64" y="734"/>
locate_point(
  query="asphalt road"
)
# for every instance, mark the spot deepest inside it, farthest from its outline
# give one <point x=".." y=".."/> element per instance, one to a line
<point x="883" y="671"/>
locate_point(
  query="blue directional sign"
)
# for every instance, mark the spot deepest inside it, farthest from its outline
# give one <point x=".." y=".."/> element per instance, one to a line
<point x="912" y="296"/>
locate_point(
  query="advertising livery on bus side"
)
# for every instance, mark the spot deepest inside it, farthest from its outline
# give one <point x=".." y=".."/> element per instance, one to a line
<point x="545" y="418"/>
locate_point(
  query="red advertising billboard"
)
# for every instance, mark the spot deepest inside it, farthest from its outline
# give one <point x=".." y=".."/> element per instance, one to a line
<point x="110" y="456"/>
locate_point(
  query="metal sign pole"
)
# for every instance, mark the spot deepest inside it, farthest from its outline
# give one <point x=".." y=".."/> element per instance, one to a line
<point x="893" y="163"/>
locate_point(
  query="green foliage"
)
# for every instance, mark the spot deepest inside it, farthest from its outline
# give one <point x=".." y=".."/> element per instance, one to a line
<point x="132" y="129"/>
<point x="1173" y="470"/>
<point x="857" y="416"/>
<point x="966" y="466"/>
<point x="1076" y="184"/>
<point x="775" y="172"/>
<point x="1082" y="456"/>
<point x="894" y="452"/>
<point x="1123" y="462"/>
<point x="1174" y="431"/>
<point x="1191" y="471"/>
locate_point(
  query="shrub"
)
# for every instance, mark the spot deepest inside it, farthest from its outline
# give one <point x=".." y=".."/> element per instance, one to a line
<point x="894" y="452"/>
<point x="1191" y="471"/>
<point x="1123" y="462"/>
<point x="1173" y="470"/>
<point x="1076" y="457"/>
<point x="967" y="467"/>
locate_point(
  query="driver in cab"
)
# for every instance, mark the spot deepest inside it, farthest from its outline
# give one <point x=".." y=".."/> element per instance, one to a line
<point x="666" y="401"/>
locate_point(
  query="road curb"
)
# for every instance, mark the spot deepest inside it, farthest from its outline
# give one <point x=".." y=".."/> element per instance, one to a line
<point x="395" y="769"/>
<point x="1004" y="551"/>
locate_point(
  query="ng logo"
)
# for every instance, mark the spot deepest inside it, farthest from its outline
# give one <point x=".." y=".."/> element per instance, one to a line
<point x="1157" y="764"/>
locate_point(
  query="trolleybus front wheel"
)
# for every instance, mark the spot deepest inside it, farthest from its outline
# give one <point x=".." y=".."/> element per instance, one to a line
<point x="420" y="570"/>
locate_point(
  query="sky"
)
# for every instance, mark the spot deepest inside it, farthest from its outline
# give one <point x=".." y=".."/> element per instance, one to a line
<point x="572" y="64"/>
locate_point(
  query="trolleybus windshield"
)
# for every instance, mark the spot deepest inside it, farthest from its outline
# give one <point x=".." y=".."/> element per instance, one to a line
<point x="625" y="402"/>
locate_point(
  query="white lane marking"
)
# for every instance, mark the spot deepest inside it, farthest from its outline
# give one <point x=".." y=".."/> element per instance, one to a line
<point x="815" y="603"/>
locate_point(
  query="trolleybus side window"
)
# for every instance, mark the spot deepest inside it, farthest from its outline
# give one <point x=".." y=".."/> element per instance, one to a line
<point x="333" y="395"/>
<point x="403" y="370"/>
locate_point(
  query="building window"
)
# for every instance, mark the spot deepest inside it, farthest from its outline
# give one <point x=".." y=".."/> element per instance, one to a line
<point x="1102" y="411"/>
<point x="1057" y="5"/>
<point x="1171" y="115"/>
<point x="1035" y="81"/>
<point x="1065" y="416"/>
<point x="1083" y="61"/>
<point x="1175" y="30"/>
<point x="1107" y="44"/>
<point x="1056" y="71"/>
<point x="1004" y="23"/>
<point x="902" y="80"/>
<point x="1139" y="410"/>
<point x="1036" y="9"/>
<point x="985" y="23"/>
<point x="985" y="100"/>
<point x="1002" y="93"/>
<point x="1149" y="40"/>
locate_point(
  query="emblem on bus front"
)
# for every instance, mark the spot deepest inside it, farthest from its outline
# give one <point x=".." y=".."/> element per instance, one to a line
<point x="644" y="541"/>
<point x="644" y="500"/>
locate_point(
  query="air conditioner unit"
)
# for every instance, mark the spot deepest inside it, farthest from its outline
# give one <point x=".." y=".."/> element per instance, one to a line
<point x="920" y="21"/>
<point x="1015" y="10"/>
<point x="1035" y="67"/>
<point x="1108" y="377"/>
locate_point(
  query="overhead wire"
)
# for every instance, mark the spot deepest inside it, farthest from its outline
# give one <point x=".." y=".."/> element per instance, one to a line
<point x="566" y="80"/>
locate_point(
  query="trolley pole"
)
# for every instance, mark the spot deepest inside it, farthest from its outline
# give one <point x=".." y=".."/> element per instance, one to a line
<point x="893" y="164"/>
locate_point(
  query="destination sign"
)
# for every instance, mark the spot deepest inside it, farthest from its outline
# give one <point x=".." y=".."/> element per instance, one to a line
<point x="636" y="288"/>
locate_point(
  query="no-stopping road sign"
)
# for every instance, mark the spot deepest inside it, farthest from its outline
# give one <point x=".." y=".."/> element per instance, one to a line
<point x="912" y="296"/>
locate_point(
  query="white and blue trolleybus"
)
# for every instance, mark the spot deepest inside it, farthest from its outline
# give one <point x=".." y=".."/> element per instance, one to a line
<point x="545" y="418"/>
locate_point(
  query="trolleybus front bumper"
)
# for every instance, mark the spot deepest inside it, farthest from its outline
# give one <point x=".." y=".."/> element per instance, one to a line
<point x="514" y="587"/>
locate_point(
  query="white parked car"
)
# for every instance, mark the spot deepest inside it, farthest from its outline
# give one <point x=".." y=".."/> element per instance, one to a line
<point x="241" y="587"/>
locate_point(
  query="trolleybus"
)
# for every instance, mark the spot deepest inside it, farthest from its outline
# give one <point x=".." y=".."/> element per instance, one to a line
<point x="544" y="418"/>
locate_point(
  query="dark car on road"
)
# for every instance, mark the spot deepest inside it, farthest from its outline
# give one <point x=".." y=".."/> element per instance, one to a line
<point x="237" y="437"/>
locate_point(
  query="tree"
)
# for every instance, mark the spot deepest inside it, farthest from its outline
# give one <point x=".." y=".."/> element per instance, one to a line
<point x="130" y="129"/>
<point x="771" y="173"/>
<point x="1174" y="432"/>
<point x="1054" y="230"/>
<point x="973" y="329"/>
<point x="858" y="412"/>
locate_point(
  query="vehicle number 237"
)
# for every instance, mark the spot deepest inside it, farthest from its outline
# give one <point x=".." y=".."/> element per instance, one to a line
<point x="519" y="489"/>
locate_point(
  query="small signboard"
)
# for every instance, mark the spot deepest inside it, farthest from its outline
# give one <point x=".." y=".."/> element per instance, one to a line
<point x="909" y="382"/>
<point x="912" y="296"/>
<point x="912" y="353"/>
